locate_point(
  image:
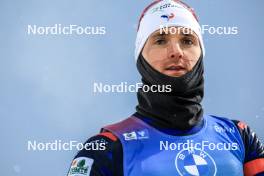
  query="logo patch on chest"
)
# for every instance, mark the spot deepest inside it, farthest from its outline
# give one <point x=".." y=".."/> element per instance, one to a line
<point x="195" y="162"/>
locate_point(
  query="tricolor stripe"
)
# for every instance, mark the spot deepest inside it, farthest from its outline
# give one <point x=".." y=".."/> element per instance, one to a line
<point x="108" y="135"/>
<point x="157" y="1"/>
<point x="254" y="167"/>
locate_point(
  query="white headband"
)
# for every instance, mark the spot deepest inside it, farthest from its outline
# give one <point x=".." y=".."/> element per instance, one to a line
<point x="165" y="13"/>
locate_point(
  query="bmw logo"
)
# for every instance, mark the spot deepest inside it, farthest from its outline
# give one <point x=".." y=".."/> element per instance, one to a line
<point x="195" y="162"/>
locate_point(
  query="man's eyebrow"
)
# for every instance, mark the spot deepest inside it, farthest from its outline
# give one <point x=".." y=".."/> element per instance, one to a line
<point x="188" y="35"/>
<point x="159" y="34"/>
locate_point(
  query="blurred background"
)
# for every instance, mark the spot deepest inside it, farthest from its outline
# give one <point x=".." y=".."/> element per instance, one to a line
<point x="46" y="81"/>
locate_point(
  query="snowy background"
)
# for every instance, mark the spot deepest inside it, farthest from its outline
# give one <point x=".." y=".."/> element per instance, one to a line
<point x="46" y="81"/>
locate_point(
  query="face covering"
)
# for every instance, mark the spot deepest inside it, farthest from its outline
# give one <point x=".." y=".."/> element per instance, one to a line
<point x="178" y="109"/>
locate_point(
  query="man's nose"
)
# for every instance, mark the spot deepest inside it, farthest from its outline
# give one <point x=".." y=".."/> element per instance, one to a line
<point x="175" y="51"/>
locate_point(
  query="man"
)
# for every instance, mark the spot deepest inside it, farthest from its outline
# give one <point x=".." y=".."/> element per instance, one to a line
<point x="169" y="134"/>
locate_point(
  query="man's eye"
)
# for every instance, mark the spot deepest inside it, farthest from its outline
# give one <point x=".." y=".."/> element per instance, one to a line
<point x="160" y="41"/>
<point x="187" y="41"/>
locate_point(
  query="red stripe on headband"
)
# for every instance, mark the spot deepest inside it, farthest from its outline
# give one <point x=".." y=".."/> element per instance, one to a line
<point x="188" y="8"/>
<point x="157" y="1"/>
<point x="145" y="10"/>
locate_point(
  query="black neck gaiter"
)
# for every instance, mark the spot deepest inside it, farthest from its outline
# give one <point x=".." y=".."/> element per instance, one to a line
<point x="178" y="109"/>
